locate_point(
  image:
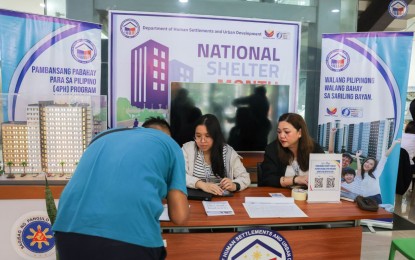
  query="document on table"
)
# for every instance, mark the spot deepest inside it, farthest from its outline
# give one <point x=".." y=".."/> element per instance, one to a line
<point x="274" y="207"/>
<point x="218" y="208"/>
<point x="165" y="215"/>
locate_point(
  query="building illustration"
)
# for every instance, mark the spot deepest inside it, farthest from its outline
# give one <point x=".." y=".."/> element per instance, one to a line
<point x="180" y="72"/>
<point x="149" y="75"/>
<point x="15" y="145"/>
<point x="372" y="138"/>
<point x="52" y="139"/>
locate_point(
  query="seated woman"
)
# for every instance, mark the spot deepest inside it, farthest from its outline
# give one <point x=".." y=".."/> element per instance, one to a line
<point x="211" y="164"/>
<point x="286" y="159"/>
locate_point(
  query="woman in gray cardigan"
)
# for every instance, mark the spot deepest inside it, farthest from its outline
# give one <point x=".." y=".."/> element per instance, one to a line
<point x="211" y="164"/>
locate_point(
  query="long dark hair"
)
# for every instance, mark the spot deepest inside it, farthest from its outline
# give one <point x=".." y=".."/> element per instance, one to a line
<point x="216" y="154"/>
<point x="410" y="127"/>
<point x="305" y="143"/>
<point x="370" y="172"/>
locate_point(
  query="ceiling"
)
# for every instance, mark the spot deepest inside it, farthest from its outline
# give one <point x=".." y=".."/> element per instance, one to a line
<point x="374" y="16"/>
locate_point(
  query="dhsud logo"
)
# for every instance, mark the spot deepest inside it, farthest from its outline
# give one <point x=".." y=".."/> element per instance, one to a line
<point x="346" y="112"/>
<point x="337" y="60"/>
<point x="282" y="35"/>
<point x="269" y="33"/>
<point x="83" y="51"/>
<point x="398" y="8"/>
<point x="130" y="28"/>
<point x="256" y="244"/>
<point x="32" y="236"/>
<point x="331" y="111"/>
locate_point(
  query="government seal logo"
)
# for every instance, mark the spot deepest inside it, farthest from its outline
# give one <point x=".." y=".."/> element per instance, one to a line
<point x="83" y="51"/>
<point x="337" y="60"/>
<point x="258" y="243"/>
<point x="398" y="8"/>
<point x="32" y="236"/>
<point x="130" y="28"/>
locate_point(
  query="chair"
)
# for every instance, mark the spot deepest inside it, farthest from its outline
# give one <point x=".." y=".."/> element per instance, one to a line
<point x="259" y="174"/>
<point x="406" y="246"/>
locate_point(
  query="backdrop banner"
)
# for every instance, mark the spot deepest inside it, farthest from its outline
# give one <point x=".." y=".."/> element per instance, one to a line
<point x="42" y="56"/>
<point x="364" y="78"/>
<point x="148" y="51"/>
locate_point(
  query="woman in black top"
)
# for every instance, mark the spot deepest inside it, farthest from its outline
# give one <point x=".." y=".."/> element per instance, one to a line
<point x="286" y="159"/>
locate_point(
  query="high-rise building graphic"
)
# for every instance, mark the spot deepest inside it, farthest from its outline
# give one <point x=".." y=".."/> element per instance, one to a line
<point x="180" y="72"/>
<point x="149" y="75"/>
<point x="15" y="145"/>
<point x="57" y="135"/>
<point x="349" y="129"/>
<point x="372" y="138"/>
<point x="337" y="137"/>
<point x="33" y="136"/>
<point x="65" y="131"/>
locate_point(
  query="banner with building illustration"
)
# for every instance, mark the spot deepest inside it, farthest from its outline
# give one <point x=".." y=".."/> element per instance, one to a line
<point x="50" y="102"/>
<point x="363" y="85"/>
<point x="44" y="56"/>
<point x="148" y="51"/>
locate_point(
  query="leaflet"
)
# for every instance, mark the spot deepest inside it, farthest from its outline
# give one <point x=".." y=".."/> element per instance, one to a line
<point x="165" y="215"/>
<point x="218" y="208"/>
<point x="264" y="207"/>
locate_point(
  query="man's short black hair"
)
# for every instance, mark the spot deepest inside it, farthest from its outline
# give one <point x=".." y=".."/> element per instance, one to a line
<point x="348" y="170"/>
<point x="156" y="121"/>
<point x="347" y="155"/>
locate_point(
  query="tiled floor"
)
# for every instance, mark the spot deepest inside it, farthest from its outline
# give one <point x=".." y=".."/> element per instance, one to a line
<point x="376" y="245"/>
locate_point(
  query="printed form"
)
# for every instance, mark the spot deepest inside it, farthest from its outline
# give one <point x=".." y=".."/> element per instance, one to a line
<point x="218" y="208"/>
<point x="274" y="207"/>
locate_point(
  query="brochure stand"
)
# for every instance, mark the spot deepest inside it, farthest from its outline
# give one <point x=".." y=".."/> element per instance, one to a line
<point x="324" y="178"/>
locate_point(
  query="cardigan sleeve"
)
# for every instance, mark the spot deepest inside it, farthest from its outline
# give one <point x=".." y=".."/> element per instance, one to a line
<point x="189" y="155"/>
<point x="272" y="168"/>
<point x="238" y="171"/>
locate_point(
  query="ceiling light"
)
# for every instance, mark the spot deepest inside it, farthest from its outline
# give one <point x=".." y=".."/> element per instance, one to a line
<point x="335" y="10"/>
<point x="183" y="1"/>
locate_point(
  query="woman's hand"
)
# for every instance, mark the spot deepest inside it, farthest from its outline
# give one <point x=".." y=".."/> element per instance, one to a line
<point x="301" y="180"/>
<point x="209" y="187"/>
<point x="227" y="184"/>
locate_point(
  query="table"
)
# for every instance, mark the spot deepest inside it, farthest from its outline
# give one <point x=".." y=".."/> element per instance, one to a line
<point x="333" y="243"/>
<point x="318" y="214"/>
<point x="331" y="230"/>
<point x="309" y="237"/>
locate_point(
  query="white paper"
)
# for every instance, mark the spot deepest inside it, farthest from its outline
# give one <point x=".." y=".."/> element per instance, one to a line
<point x="268" y="200"/>
<point x="218" y="208"/>
<point x="273" y="210"/>
<point x="165" y="215"/>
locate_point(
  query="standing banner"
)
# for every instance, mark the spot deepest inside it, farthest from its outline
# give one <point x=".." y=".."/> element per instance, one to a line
<point x="148" y="51"/>
<point x="364" y="78"/>
<point x="43" y="56"/>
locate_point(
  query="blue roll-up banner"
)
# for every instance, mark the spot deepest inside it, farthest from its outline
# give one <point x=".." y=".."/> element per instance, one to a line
<point x="364" y="79"/>
<point x="43" y="56"/>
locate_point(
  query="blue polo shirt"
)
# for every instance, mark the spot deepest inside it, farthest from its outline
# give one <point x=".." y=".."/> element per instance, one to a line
<point x="118" y="185"/>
